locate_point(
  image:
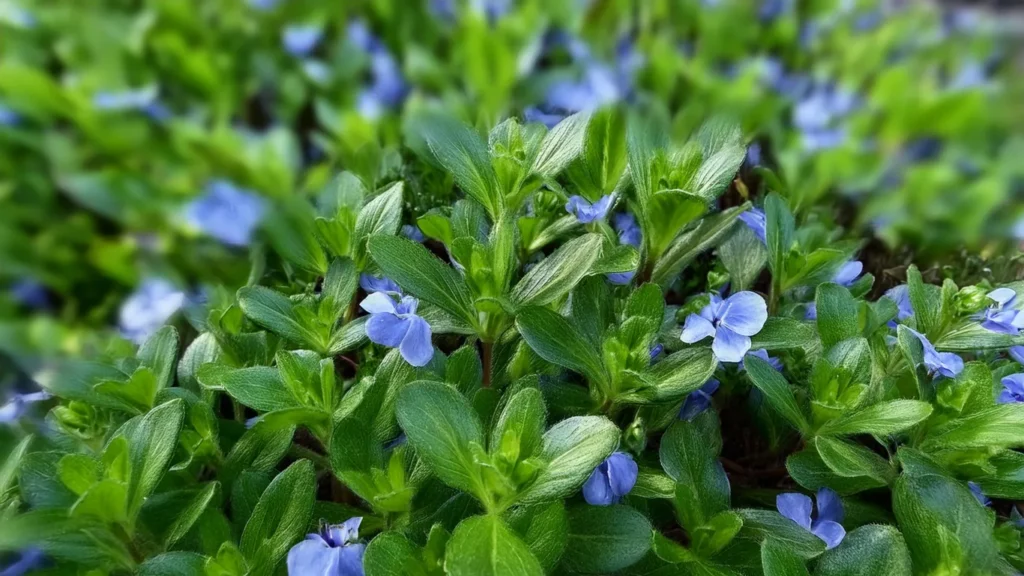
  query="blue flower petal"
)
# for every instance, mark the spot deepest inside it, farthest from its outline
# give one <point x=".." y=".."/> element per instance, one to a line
<point x="350" y="560"/>
<point x="831" y="532"/>
<point x="415" y="346"/>
<point x="729" y="346"/>
<point x="696" y="328"/>
<point x="597" y="491"/>
<point x="1017" y="353"/>
<point x="313" y="557"/>
<point x="622" y="473"/>
<point x="387" y="329"/>
<point x="378" y="303"/>
<point x="795" y="506"/>
<point x="830" y="507"/>
<point x="744" y="313"/>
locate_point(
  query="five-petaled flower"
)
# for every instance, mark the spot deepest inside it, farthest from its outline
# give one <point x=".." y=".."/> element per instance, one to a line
<point x="586" y="212"/>
<point x="1003" y="317"/>
<point x="938" y="363"/>
<point x="19" y="403"/>
<point x="1013" y="389"/>
<point x="848" y="273"/>
<point x="611" y="480"/>
<point x="698" y="401"/>
<point x="756" y="220"/>
<point x="827" y="526"/>
<point x="333" y="551"/>
<point x="396" y="325"/>
<point x="731" y="322"/>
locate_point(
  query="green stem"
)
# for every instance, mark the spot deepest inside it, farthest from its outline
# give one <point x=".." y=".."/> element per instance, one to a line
<point x="298" y="451"/>
<point x="486" y="348"/>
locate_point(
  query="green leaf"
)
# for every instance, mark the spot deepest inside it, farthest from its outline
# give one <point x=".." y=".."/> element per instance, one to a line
<point x="12" y="463"/>
<point x="152" y="439"/>
<point x="354" y="454"/>
<point x="348" y="337"/>
<point x="853" y="460"/>
<point x="391" y="553"/>
<point x="463" y="153"/>
<point x="675" y="376"/>
<point x="647" y="301"/>
<point x="717" y="170"/>
<point x="779" y="230"/>
<point x="926" y="299"/>
<point x="784" y="334"/>
<point x="484" y="546"/>
<point x="706" y="234"/>
<point x="203" y="350"/>
<point x="440" y="424"/>
<point x="557" y="274"/>
<point x="879" y="419"/>
<point x="838" y="314"/>
<point x="423" y="275"/>
<point x="744" y="256"/>
<point x="617" y="259"/>
<point x="105" y="501"/>
<point x="259" y="449"/>
<point x="275" y="312"/>
<point x="382" y="215"/>
<point x="1001" y="426"/>
<point x="79" y="472"/>
<point x="702" y="488"/>
<point x="716" y="533"/>
<point x="464" y="369"/>
<point x="596" y="172"/>
<point x="604" y="539"/>
<point x="160" y="354"/>
<point x="776" y="391"/>
<point x="258" y="387"/>
<point x="778" y="560"/>
<point x="523" y="419"/>
<point x="339" y="286"/>
<point x="562" y="145"/>
<point x="280" y="519"/>
<point x="866" y="551"/>
<point x="172" y="564"/>
<point x="769" y="524"/>
<point x="292" y="231"/>
<point x="188" y="517"/>
<point x="572" y="449"/>
<point x="554" y="339"/>
<point x="544" y="528"/>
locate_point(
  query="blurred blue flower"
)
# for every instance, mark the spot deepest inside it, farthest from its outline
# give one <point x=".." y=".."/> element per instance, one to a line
<point x="955" y="20"/>
<point x="901" y="296"/>
<point x="611" y="480"/>
<point x="1002" y="317"/>
<point x="656" y="351"/>
<point x="1017" y="353"/>
<point x="978" y="494"/>
<point x="923" y="149"/>
<point x="29" y="293"/>
<point x="8" y="117"/>
<point x="772" y="9"/>
<point x="264" y="5"/>
<point x="620" y="278"/>
<point x="1018" y="229"/>
<point x="387" y="88"/>
<point x="811" y="312"/>
<point x="938" y="363"/>
<point x="226" y="212"/>
<point x="29" y="560"/>
<point x="413" y="233"/>
<point x="798" y="507"/>
<point x="698" y="401"/>
<point x="763" y="355"/>
<point x="18" y="405"/>
<point x="443" y="9"/>
<point x="819" y="115"/>
<point x="397" y="326"/>
<point x="333" y="551"/>
<point x="629" y="231"/>
<point x="848" y="273"/>
<point x="371" y="284"/>
<point x="753" y="157"/>
<point x="1013" y="389"/>
<point x="493" y="10"/>
<point x="139" y="100"/>
<point x="868" y="20"/>
<point x="301" y="40"/>
<point x="586" y="212"/>
<point x="148" y="308"/>
<point x="731" y="322"/>
<point x="972" y="74"/>
<point x="756" y="220"/>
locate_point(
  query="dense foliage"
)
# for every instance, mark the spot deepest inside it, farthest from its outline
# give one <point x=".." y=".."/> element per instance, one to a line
<point x="489" y="288"/>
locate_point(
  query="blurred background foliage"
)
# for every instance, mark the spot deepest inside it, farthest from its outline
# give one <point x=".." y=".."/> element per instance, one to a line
<point x="143" y="144"/>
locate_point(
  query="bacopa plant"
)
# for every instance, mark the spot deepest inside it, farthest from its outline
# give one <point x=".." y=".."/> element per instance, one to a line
<point x="601" y="358"/>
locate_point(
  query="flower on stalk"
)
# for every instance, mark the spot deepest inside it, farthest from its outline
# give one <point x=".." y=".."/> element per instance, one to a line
<point x="611" y="480"/>
<point x="586" y="212"/>
<point x="226" y="212"/>
<point x="1002" y="317"/>
<point x="978" y="494"/>
<point x="371" y="284"/>
<point x="1017" y="353"/>
<point x="938" y="363"/>
<point x="29" y="560"/>
<point x="698" y="401"/>
<point x="798" y="507"/>
<point x="18" y="405"/>
<point x="149" y="307"/>
<point x="848" y="273"/>
<point x="731" y="322"/>
<point x="629" y="231"/>
<point x="333" y="551"/>
<point x="300" y="41"/>
<point x="763" y="355"/>
<point x="1013" y="389"/>
<point x="755" y="220"/>
<point x="397" y="326"/>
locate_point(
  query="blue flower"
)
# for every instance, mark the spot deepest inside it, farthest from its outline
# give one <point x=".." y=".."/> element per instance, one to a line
<point x="29" y="293"/>
<point x="413" y="233"/>
<point x="900" y="295"/>
<point x="620" y="278"/>
<point x="811" y="312"/>
<point x="848" y="273"/>
<point x="301" y="40"/>
<point x="868" y="20"/>
<point x="629" y="231"/>
<point x="371" y="284"/>
<point x="145" y="311"/>
<point x="139" y="100"/>
<point x="398" y="326"/>
<point x="1017" y="353"/>
<point x="756" y="220"/>
<point x="1018" y="229"/>
<point x="586" y="212"/>
<point x="923" y="149"/>
<point x="731" y="322"/>
<point x="8" y="117"/>
<point x="972" y="74"/>
<point x="333" y="551"/>
<point x="611" y="480"/>
<point x="977" y="493"/>
<point x="656" y="351"/>
<point x="1013" y="389"/>
<point x="818" y="117"/>
<point x="753" y="157"/>
<point x="226" y="212"/>
<point x="939" y="363"/>
<point x="1002" y="317"/>
<point x="797" y="507"/>
<point x="18" y="405"/>
<point x="263" y="5"/>
<point x="772" y="9"/>
<point x="763" y="355"/>
<point x="698" y="401"/>
<point x="493" y="10"/>
<point x="387" y="88"/>
<point x="29" y="560"/>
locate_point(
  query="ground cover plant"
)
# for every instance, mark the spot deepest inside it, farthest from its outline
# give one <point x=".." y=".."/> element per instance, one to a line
<point x="508" y="288"/>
